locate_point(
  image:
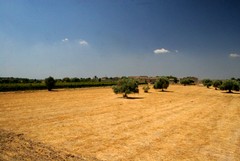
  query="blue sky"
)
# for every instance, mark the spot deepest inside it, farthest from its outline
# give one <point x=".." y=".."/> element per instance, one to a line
<point x="84" y="38"/>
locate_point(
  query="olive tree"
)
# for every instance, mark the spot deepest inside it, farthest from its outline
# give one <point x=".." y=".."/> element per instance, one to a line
<point x="207" y="82"/>
<point x="230" y="85"/>
<point x="217" y="84"/>
<point x="161" y="83"/>
<point x="50" y="83"/>
<point x="126" y="86"/>
<point x="186" y="81"/>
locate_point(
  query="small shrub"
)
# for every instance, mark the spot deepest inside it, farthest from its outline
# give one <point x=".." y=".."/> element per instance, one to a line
<point x="146" y="88"/>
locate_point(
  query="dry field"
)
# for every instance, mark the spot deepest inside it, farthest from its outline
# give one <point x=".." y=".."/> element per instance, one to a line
<point x="185" y="123"/>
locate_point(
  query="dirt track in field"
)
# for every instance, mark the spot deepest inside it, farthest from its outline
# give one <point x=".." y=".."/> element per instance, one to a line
<point x="185" y="123"/>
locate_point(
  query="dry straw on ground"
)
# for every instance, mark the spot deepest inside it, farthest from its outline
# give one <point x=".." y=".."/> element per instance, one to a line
<point x="191" y="122"/>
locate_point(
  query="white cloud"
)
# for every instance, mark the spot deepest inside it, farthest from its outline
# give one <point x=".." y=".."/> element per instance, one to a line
<point x="234" y="55"/>
<point x="161" y="51"/>
<point x="176" y="51"/>
<point x="65" y="40"/>
<point x="83" y="43"/>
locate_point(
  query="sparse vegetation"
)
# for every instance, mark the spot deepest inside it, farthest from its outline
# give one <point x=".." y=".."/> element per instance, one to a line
<point x="146" y="88"/>
<point x="161" y="83"/>
<point x="97" y="108"/>
<point x="126" y="86"/>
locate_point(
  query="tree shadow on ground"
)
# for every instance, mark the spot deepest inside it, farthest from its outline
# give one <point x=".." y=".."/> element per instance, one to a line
<point x="131" y="98"/>
<point x="166" y="91"/>
<point x="230" y="93"/>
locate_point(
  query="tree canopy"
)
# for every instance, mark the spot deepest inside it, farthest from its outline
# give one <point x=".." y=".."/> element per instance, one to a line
<point x="126" y="86"/>
<point x="207" y="82"/>
<point x="186" y="81"/>
<point x="161" y="83"/>
<point x="50" y="83"/>
<point x="230" y="85"/>
<point x="217" y="84"/>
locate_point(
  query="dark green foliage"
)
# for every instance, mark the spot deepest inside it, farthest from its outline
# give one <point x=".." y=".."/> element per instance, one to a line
<point x="186" y="81"/>
<point x="207" y="82"/>
<point x="50" y="83"/>
<point x="21" y="86"/>
<point x="75" y="80"/>
<point x="39" y="86"/>
<point x="126" y="86"/>
<point x="175" y="79"/>
<point x="161" y="83"/>
<point x="83" y="84"/>
<point x="146" y="88"/>
<point x="66" y="79"/>
<point x="217" y="84"/>
<point x="11" y="80"/>
<point x="230" y="85"/>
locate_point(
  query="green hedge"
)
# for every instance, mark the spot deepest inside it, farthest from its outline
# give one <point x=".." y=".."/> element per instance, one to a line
<point x="41" y="86"/>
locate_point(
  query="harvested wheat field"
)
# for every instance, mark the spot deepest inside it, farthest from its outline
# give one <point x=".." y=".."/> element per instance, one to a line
<point x="184" y="123"/>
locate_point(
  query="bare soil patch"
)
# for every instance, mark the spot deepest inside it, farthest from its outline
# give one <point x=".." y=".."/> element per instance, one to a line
<point x="188" y="123"/>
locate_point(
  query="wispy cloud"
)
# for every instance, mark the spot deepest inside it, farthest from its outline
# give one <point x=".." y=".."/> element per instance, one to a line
<point x="83" y="43"/>
<point x="234" y="55"/>
<point x="65" y="40"/>
<point x="161" y="51"/>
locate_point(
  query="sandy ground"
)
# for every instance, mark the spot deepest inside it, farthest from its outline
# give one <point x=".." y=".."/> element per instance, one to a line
<point x="185" y="123"/>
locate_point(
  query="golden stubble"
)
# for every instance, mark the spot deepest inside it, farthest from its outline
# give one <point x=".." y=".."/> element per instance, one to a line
<point x="184" y="123"/>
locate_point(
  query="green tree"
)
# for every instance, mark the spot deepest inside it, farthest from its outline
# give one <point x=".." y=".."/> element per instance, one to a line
<point x="230" y="85"/>
<point x="126" y="86"/>
<point x="75" y="79"/>
<point x="50" y="83"/>
<point x="66" y="79"/>
<point x="175" y="79"/>
<point x="207" y="82"/>
<point x="186" y="81"/>
<point x="217" y="84"/>
<point x="161" y="83"/>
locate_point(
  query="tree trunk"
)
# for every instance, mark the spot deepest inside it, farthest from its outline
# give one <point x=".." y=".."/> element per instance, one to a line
<point x="125" y="95"/>
<point x="229" y="91"/>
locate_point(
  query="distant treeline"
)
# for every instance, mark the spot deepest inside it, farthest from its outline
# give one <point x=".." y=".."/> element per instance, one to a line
<point x="22" y="84"/>
<point x="66" y="79"/>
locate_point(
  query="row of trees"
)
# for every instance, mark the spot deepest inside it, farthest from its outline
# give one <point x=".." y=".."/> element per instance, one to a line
<point x="127" y="86"/>
<point x="187" y="81"/>
<point x="229" y="85"/>
<point x="50" y="83"/>
<point x="18" y="80"/>
<point x="7" y="80"/>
